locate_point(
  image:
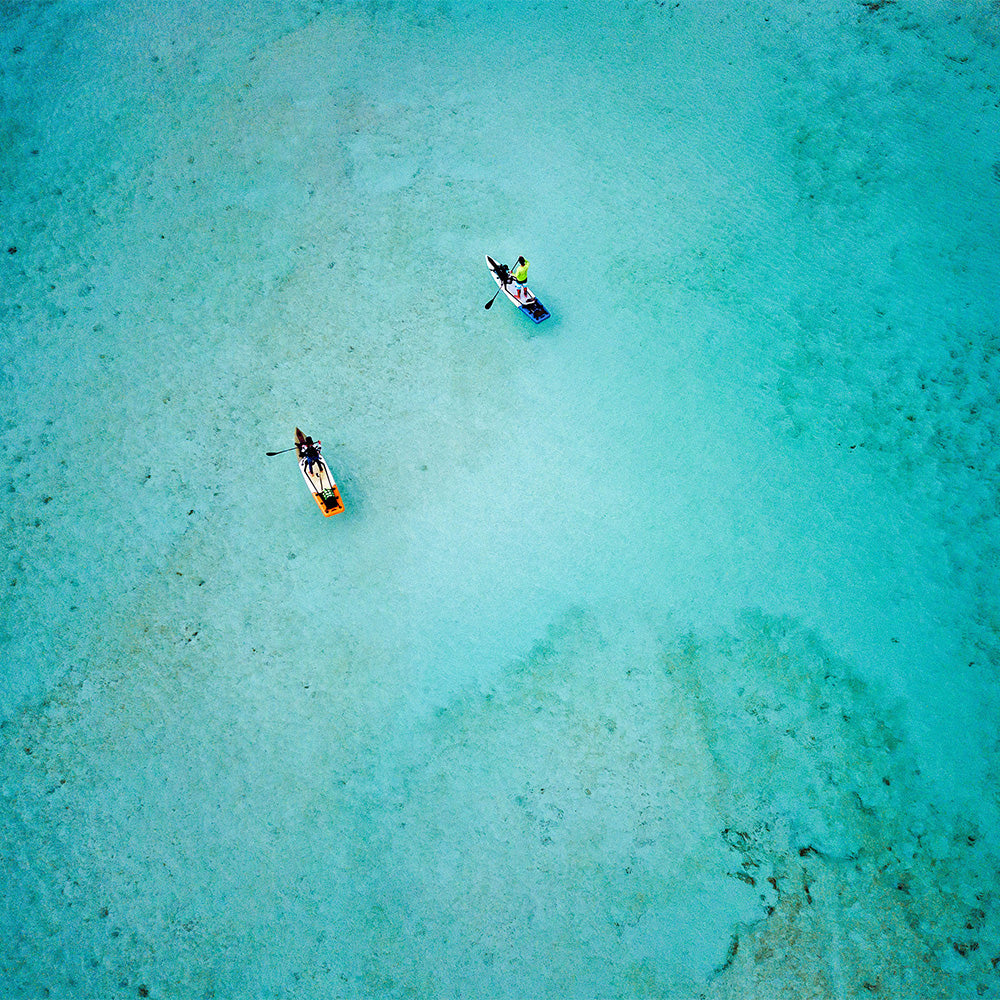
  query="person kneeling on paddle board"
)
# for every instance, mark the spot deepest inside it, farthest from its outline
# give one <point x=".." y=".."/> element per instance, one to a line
<point x="520" y="276"/>
<point x="310" y="452"/>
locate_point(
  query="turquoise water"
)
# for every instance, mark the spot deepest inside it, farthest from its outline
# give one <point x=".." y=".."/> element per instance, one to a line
<point x="655" y="654"/>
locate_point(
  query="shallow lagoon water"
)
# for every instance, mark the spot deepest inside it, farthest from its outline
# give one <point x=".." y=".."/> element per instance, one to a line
<point x="655" y="653"/>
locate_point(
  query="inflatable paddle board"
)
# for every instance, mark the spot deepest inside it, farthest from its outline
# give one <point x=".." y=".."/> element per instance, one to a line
<point x="318" y="479"/>
<point x="526" y="302"/>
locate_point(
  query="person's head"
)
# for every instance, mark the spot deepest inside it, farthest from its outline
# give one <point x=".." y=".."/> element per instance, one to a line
<point x="521" y="260"/>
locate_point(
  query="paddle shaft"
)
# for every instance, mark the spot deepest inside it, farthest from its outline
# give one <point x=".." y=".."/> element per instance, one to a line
<point x="500" y="288"/>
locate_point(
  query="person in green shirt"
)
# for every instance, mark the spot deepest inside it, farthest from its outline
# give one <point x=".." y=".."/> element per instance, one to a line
<point x="520" y="275"/>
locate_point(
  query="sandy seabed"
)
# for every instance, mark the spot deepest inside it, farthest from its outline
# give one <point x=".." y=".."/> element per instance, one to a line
<point x="655" y="654"/>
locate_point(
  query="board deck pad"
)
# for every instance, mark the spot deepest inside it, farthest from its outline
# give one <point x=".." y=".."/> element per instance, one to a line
<point x="528" y="304"/>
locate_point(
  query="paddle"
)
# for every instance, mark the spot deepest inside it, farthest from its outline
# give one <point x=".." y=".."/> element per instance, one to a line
<point x="506" y="278"/>
<point x="282" y="452"/>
